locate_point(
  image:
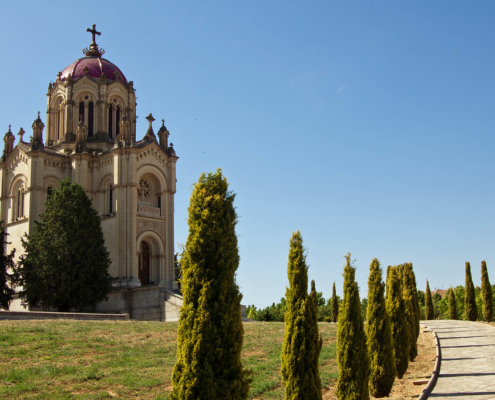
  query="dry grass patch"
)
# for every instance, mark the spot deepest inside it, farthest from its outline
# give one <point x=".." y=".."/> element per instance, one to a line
<point x="117" y="359"/>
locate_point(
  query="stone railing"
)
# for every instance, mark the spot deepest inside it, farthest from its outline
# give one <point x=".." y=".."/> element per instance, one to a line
<point x="149" y="211"/>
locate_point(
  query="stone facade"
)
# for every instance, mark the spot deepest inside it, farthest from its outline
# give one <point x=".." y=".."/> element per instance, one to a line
<point x="90" y="138"/>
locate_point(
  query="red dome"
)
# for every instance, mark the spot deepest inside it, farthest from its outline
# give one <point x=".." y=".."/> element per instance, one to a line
<point x="96" y="66"/>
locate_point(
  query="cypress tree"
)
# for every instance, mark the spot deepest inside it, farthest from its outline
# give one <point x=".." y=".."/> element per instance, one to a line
<point x="352" y="352"/>
<point x="302" y="342"/>
<point x="429" y="310"/>
<point x="397" y="313"/>
<point x="408" y="296"/>
<point x="415" y="298"/>
<point x="210" y="333"/>
<point x="471" y="310"/>
<point x="486" y="293"/>
<point x="334" y="304"/>
<point x="452" y="305"/>
<point x="379" y="335"/>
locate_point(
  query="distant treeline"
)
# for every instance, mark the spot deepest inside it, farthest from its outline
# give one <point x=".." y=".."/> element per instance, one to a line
<point x="276" y="312"/>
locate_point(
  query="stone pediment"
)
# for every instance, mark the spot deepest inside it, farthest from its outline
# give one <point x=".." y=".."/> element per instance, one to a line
<point x="85" y="83"/>
<point x="117" y="88"/>
<point x="152" y="151"/>
<point x="15" y="157"/>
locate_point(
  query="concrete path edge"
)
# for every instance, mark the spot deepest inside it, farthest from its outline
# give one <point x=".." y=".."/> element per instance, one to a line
<point x="438" y="363"/>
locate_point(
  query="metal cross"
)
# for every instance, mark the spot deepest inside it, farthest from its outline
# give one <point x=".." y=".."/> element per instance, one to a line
<point x="94" y="32"/>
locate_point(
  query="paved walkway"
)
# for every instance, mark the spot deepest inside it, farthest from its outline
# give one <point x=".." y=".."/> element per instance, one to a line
<point x="468" y="360"/>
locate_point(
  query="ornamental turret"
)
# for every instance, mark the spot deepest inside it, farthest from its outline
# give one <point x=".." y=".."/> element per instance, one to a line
<point x="163" y="135"/>
<point x="37" y="138"/>
<point x="8" y="140"/>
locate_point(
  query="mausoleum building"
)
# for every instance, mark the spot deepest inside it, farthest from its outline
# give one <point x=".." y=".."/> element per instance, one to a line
<point x="89" y="136"/>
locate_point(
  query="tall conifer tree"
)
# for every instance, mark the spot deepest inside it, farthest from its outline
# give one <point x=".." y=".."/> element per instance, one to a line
<point x="415" y="298"/>
<point x="397" y="313"/>
<point x="334" y="304"/>
<point x="408" y="296"/>
<point x="379" y="336"/>
<point x="352" y="352"/>
<point x="470" y="308"/>
<point x="486" y="293"/>
<point x="452" y="305"/>
<point x="210" y="334"/>
<point x="302" y="342"/>
<point x="429" y="310"/>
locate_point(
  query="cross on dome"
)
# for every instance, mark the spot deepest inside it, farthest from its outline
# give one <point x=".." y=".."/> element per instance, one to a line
<point x="94" y="32"/>
<point x="94" y="50"/>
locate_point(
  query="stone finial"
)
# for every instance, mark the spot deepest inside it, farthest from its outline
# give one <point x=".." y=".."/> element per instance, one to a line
<point x="21" y="134"/>
<point x="59" y="76"/>
<point x="150" y="135"/>
<point x="50" y="87"/>
<point x="117" y="75"/>
<point x="86" y="71"/>
<point x="103" y="78"/>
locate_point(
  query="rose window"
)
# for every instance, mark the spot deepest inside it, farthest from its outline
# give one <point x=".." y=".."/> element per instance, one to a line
<point x="144" y="190"/>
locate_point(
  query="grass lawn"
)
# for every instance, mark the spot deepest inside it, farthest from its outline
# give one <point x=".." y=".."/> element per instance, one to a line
<point x="101" y="360"/>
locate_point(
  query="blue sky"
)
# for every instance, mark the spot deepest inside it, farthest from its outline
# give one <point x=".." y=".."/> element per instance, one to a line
<point x="368" y="126"/>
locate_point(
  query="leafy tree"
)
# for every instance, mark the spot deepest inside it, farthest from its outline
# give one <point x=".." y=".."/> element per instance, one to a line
<point x="352" y="352"/>
<point x="452" y="305"/>
<point x="177" y="264"/>
<point x="486" y="290"/>
<point x="302" y="341"/>
<point x="66" y="262"/>
<point x="379" y="335"/>
<point x="421" y="299"/>
<point x="471" y="310"/>
<point x="210" y="334"/>
<point x="397" y="313"/>
<point x="334" y="305"/>
<point x="7" y="271"/>
<point x="429" y="310"/>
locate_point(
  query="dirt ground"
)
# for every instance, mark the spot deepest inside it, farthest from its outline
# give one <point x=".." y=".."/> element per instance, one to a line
<point x="421" y="368"/>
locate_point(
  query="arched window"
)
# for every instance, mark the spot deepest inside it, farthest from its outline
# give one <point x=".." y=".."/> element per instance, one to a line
<point x="81" y="111"/>
<point x="19" y="204"/>
<point x="110" y="121"/>
<point x="110" y="199"/>
<point x="117" y="119"/>
<point x="90" y="119"/>
<point x="144" y="264"/>
<point x="49" y="191"/>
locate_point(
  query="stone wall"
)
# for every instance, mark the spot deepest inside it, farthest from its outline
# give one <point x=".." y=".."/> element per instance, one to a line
<point x="59" y="315"/>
